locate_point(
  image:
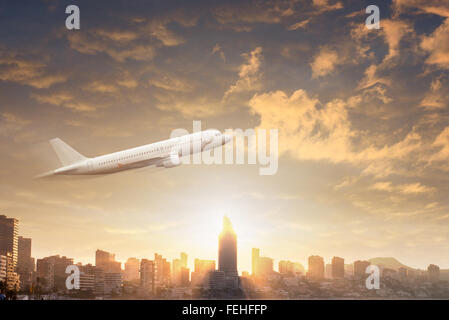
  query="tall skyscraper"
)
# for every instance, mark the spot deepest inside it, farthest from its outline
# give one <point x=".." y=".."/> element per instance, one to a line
<point x="227" y="249"/>
<point x="177" y="266"/>
<point x="9" y="249"/>
<point x="25" y="264"/>
<point x="316" y="267"/>
<point x="255" y="254"/>
<point x="338" y="268"/>
<point x="131" y="269"/>
<point x="147" y="275"/>
<point x="262" y="267"/>
<point x="9" y="238"/>
<point x="185" y="277"/>
<point x="162" y="274"/>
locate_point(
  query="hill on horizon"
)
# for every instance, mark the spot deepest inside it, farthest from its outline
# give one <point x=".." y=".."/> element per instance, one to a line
<point x="389" y="262"/>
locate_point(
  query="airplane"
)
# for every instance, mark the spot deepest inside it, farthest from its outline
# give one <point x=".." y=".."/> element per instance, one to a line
<point x="165" y="154"/>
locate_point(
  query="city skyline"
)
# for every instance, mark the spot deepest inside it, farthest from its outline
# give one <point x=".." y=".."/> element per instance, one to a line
<point x="362" y="116"/>
<point x="102" y="257"/>
<point x="161" y="278"/>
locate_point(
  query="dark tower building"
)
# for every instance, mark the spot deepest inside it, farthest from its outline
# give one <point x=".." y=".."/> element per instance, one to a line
<point x="227" y="249"/>
<point x="25" y="264"/>
<point x="9" y="238"/>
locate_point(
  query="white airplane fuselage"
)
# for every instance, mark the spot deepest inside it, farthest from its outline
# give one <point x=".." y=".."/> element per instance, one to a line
<point x="165" y="153"/>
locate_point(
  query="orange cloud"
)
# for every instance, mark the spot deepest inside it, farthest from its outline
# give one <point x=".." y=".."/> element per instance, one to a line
<point x="438" y="7"/>
<point x="33" y="73"/>
<point x="310" y="131"/>
<point x="437" y="46"/>
<point x="64" y="100"/>
<point x="249" y="74"/>
<point x="325" y="62"/>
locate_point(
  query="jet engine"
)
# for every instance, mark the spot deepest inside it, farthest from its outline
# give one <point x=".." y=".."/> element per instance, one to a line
<point x="172" y="161"/>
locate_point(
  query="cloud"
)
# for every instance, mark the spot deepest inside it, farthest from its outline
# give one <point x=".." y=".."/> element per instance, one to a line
<point x="438" y="7"/>
<point x="217" y="49"/>
<point x="92" y="44"/>
<point x="324" y="62"/>
<point x="121" y="36"/>
<point x="394" y="31"/>
<point x="441" y="143"/>
<point x="101" y="87"/>
<point x="311" y="131"/>
<point x="406" y="189"/>
<point x="64" y="100"/>
<point x="371" y="78"/>
<point x="14" y="68"/>
<point x="11" y="123"/>
<point x="241" y="17"/>
<point x="305" y="131"/>
<point x="436" y="97"/>
<point x="324" y="5"/>
<point x="249" y="74"/>
<point x="414" y="188"/>
<point x="127" y="83"/>
<point x="191" y="108"/>
<point x="436" y="45"/>
<point x="170" y="83"/>
<point x="167" y="37"/>
<point x="299" y="25"/>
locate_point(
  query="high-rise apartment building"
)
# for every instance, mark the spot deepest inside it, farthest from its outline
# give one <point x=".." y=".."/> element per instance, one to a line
<point x="147" y="275"/>
<point x="316" y="268"/>
<point x="9" y="238"/>
<point x="162" y="271"/>
<point x="3" y="266"/>
<point x="51" y="272"/>
<point x="185" y="277"/>
<point x="131" y="269"/>
<point x="106" y="261"/>
<point x="338" y="268"/>
<point x="25" y="263"/>
<point x="177" y="266"/>
<point x="262" y="267"/>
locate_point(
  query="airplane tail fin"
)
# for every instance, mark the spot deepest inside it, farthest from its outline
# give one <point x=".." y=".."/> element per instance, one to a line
<point x="66" y="154"/>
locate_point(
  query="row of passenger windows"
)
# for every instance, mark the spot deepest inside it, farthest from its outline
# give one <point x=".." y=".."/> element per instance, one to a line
<point x="158" y="149"/>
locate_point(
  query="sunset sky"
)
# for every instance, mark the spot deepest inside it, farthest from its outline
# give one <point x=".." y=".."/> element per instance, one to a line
<point x="363" y="119"/>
